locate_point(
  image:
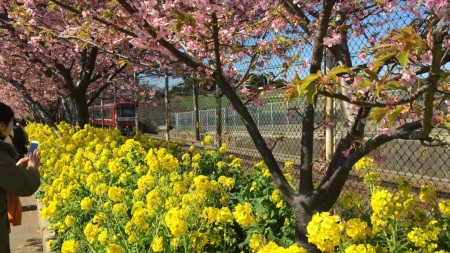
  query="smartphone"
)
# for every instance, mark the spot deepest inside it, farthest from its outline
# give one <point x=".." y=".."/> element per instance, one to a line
<point x="33" y="146"/>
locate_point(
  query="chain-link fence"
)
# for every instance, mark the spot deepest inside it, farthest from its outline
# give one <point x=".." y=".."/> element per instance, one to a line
<point x="280" y="123"/>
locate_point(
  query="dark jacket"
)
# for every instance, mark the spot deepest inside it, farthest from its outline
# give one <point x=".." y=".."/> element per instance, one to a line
<point x="20" y="141"/>
<point x="16" y="180"/>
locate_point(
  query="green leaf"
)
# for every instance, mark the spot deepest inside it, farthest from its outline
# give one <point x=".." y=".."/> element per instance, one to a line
<point x="402" y="58"/>
<point x="364" y="84"/>
<point x="394" y="85"/>
<point x="297" y="80"/>
<point x="311" y="93"/>
<point x="339" y="70"/>
<point x="446" y="125"/>
<point x="381" y="61"/>
<point x="371" y="74"/>
<point x="179" y="24"/>
<point x="304" y="84"/>
<point x="394" y="114"/>
<point x="377" y="114"/>
<point x="308" y="87"/>
<point x="383" y="46"/>
<point x="122" y="63"/>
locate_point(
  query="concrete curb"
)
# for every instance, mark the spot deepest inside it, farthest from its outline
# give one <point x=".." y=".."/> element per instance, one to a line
<point x="47" y="234"/>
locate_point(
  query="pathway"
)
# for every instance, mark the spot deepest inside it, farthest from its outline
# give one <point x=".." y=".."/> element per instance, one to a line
<point x="27" y="238"/>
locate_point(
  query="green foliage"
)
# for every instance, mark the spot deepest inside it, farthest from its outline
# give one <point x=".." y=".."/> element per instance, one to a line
<point x="308" y="87"/>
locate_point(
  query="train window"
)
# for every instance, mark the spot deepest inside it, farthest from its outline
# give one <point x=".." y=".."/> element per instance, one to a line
<point x="127" y="110"/>
<point x="107" y="113"/>
<point x="97" y="113"/>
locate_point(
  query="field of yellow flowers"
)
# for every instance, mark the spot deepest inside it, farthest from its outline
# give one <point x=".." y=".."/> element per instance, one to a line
<point x="103" y="192"/>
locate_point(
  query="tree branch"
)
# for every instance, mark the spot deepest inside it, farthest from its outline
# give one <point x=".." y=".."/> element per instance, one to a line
<point x="183" y="57"/>
<point x="66" y="75"/>
<point x="437" y="53"/>
<point x="419" y="92"/>
<point x="37" y="108"/>
<point x="106" y="84"/>
<point x="332" y="185"/>
<point x="88" y="68"/>
<point x="260" y="144"/>
<point x="307" y="141"/>
<point x="102" y="21"/>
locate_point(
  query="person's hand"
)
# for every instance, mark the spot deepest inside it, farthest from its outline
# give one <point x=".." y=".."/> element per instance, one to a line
<point x="34" y="159"/>
<point x="23" y="162"/>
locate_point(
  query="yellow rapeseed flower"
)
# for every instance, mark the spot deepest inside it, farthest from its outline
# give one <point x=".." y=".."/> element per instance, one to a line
<point x="69" y="221"/>
<point x="116" y="194"/>
<point x="196" y="157"/>
<point x="365" y="163"/>
<point x="324" y="230"/>
<point x="103" y="236"/>
<point x="209" y="214"/>
<point x="381" y="204"/>
<point x="243" y="214"/>
<point x="224" y="216"/>
<point x="289" y="165"/>
<point x="86" y="203"/>
<point x="175" y="220"/>
<point x="198" y="240"/>
<point x="223" y="148"/>
<point x="356" y="229"/>
<point x="427" y="193"/>
<point x="226" y="182"/>
<point x="269" y="248"/>
<point x="114" y="248"/>
<point x="360" y="248"/>
<point x="91" y="231"/>
<point x="206" y="140"/>
<point x="158" y="244"/>
<point x="69" y="246"/>
<point x="120" y="209"/>
<point x="444" y="208"/>
<point x="256" y="241"/>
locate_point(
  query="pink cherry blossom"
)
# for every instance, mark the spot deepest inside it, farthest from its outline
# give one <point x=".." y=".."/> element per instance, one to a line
<point x="426" y="58"/>
<point x="320" y="167"/>
<point x="346" y="153"/>
<point x="257" y="102"/>
<point x="408" y="77"/>
<point x="385" y="131"/>
<point x="437" y="6"/>
<point x="389" y="5"/>
<point x="270" y="143"/>
<point x="362" y="56"/>
<point x="335" y="39"/>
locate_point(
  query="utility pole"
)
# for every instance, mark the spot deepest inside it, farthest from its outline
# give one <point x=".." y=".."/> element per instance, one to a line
<point x="136" y="107"/>
<point x="116" y="125"/>
<point x="218" y="95"/>
<point x="196" y="111"/>
<point x="330" y="117"/>
<point x="167" y="100"/>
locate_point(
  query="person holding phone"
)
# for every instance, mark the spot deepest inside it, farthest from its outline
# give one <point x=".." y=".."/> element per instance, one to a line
<point x="21" y="178"/>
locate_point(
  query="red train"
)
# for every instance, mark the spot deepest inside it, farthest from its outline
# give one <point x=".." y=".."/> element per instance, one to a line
<point x="120" y="115"/>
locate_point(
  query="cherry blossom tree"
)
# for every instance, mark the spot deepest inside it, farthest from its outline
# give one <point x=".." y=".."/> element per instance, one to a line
<point x="211" y="37"/>
<point x="57" y="78"/>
